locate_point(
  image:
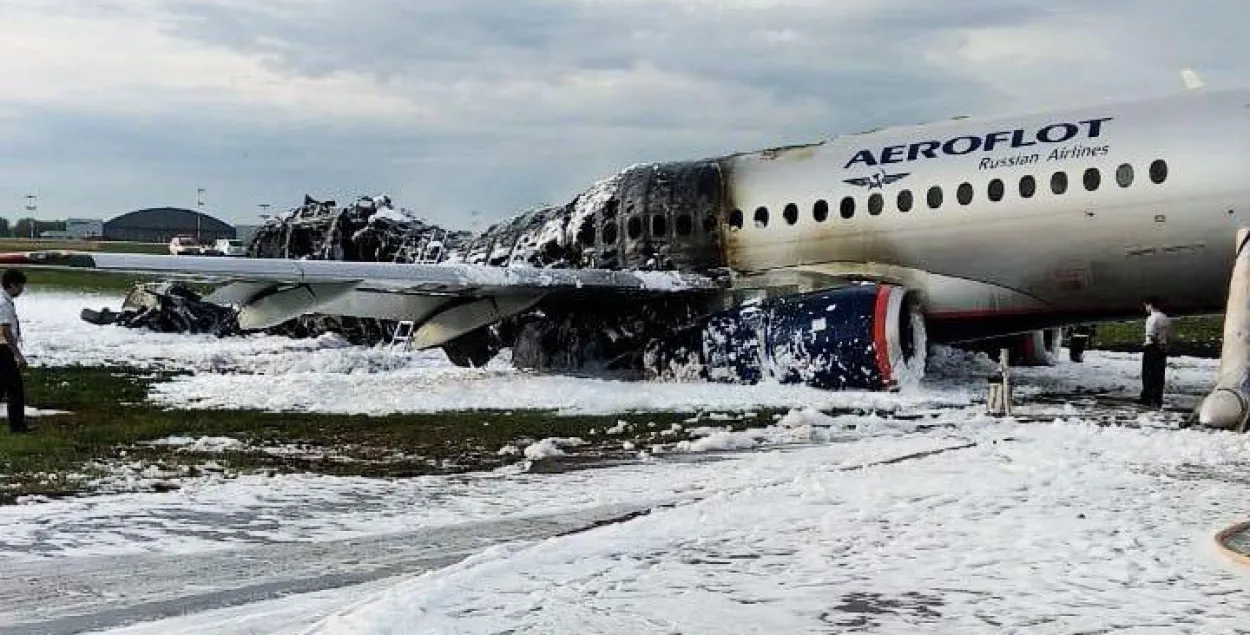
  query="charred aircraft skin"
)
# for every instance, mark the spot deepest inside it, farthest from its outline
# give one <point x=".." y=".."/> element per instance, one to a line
<point x="656" y="216"/>
<point x="367" y="230"/>
<point x="663" y="216"/>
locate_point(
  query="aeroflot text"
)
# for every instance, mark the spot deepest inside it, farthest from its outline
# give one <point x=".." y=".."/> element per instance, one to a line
<point x="1000" y="140"/>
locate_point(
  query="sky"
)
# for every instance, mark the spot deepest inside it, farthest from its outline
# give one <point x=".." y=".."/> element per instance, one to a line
<point x="469" y="111"/>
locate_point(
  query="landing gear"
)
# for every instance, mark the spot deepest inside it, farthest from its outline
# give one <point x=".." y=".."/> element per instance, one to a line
<point x="474" y="349"/>
<point x="559" y="345"/>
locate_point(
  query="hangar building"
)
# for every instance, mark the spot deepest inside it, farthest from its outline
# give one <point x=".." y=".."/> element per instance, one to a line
<point x="160" y="224"/>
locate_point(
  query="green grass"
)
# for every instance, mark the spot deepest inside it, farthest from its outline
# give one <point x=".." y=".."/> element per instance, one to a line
<point x="77" y="279"/>
<point x="1191" y="335"/>
<point x="9" y="245"/>
<point x="40" y="279"/>
<point x="109" y="416"/>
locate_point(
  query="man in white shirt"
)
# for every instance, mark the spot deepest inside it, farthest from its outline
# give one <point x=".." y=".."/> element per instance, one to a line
<point x="1154" y="353"/>
<point x="12" y="361"/>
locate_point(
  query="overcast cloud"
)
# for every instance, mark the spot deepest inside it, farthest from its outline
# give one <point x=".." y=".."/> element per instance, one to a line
<point x="461" y="106"/>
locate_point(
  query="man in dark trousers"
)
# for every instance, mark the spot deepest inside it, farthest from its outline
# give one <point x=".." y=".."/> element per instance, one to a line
<point x="1155" y="353"/>
<point x="12" y="361"/>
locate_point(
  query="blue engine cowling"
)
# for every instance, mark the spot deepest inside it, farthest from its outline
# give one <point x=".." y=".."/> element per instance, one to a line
<point x="865" y="336"/>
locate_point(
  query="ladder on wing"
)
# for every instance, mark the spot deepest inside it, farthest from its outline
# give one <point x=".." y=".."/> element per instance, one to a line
<point x="402" y="336"/>
<point x="427" y="250"/>
<point x="432" y="247"/>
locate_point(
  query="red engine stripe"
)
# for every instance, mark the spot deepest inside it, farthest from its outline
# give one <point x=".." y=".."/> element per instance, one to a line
<point x="16" y="258"/>
<point x="880" y="342"/>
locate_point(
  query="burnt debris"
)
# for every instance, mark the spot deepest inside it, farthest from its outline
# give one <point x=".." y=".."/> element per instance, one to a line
<point x="654" y="216"/>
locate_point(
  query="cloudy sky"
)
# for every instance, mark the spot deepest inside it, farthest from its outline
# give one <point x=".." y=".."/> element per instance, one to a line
<point x="471" y="110"/>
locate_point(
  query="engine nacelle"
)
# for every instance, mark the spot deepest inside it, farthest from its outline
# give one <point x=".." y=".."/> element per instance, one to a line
<point x="866" y="336"/>
<point x="1034" y="348"/>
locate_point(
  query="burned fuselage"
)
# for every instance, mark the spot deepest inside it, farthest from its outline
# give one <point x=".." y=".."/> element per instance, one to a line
<point x="679" y="216"/>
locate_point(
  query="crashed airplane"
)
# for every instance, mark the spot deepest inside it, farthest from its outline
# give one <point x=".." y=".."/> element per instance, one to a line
<point x="830" y="264"/>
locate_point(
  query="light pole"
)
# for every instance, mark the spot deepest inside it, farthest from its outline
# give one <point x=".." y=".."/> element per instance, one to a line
<point x="199" y="208"/>
<point x="31" y="206"/>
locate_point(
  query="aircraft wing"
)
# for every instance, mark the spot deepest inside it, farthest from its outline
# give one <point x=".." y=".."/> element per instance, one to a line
<point x="448" y="278"/>
<point x="443" y="300"/>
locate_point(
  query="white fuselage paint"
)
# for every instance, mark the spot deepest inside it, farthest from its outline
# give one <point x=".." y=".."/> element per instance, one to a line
<point x="1079" y="252"/>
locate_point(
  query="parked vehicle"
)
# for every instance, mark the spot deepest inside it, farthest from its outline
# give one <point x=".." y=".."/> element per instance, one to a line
<point x="185" y="246"/>
<point x="230" y="247"/>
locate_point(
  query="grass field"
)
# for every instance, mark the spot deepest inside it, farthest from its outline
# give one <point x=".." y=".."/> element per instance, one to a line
<point x="108" y="419"/>
<point x="80" y="280"/>
<point x="9" y="245"/>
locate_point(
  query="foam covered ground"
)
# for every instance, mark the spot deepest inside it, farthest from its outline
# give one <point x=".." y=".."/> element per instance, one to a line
<point x="1056" y="526"/>
<point x="326" y="374"/>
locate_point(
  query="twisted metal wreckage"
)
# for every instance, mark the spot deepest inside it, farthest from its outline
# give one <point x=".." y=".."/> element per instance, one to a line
<point x="647" y="219"/>
<point x="368" y="230"/>
<point x="614" y="335"/>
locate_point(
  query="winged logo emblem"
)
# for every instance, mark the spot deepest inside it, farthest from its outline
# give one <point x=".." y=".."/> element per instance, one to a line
<point x="876" y="181"/>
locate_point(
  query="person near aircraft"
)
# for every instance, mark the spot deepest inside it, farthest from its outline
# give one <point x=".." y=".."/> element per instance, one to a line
<point x="12" y="361"/>
<point x="1155" y="353"/>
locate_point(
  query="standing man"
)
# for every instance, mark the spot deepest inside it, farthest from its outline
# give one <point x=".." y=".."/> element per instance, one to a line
<point x="12" y="361"/>
<point x="1155" y="353"/>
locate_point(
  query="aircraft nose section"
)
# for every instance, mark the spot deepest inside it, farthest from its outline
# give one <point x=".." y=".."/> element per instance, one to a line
<point x="1223" y="408"/>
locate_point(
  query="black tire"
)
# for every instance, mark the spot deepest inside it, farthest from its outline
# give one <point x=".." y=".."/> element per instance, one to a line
<point x="472" y="350"/>
<point x="530" y="350"/>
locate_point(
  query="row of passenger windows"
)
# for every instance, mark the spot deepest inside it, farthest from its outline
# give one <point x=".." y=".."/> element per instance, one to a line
<point x="683" y="226"/>
<point x="996" y="190"/>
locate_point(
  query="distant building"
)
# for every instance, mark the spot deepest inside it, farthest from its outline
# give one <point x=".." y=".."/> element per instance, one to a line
<point x="160" y="224"/>
<point x="84" y="228"/>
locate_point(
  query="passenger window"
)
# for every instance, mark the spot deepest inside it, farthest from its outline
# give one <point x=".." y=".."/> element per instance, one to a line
<point x="1028" y="186"/>
<point x="1093" y="178"/>
<point x="820" y="211"/>
<point x="791" y="213"/>
<point x="609" y="232"/>
<point x="848" y="207"/>
<point x="1159" y="171"/>
<point x="735" y="219"/>
<point x="586" y="235"/>
<point x="1124" y="175"/>
<point x="684" y="226"/>
<point x="964" y="193"/>
<point x="1059" y="182"/>
<point x="761" y="217"/>
<point x="996" y="190"/>
<point x="905" y="201"/>
<point x="935" y="197"/>
<point x="634" y="227"/>
<point x="659" y="226"/>
<point x="876" y="203"/>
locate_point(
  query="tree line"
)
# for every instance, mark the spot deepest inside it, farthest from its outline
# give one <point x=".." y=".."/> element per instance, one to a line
<point x="22" y="228"/>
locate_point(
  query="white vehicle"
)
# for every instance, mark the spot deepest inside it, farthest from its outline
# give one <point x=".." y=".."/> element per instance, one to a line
<point x="185" y="246"/>
<point x="230" y="247"/>
<point x="830" y="263"/>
